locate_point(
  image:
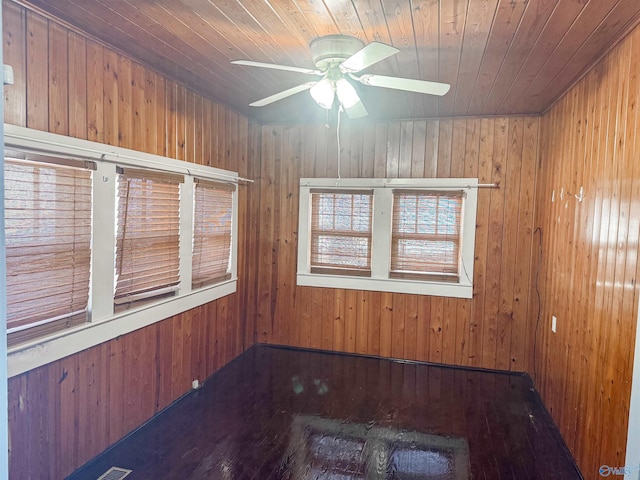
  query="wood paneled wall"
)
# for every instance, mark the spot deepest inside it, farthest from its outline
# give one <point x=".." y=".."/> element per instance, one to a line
<point x="491" y="330"/>
<point x="590" y="269"/>
<point x="64" y="413"/>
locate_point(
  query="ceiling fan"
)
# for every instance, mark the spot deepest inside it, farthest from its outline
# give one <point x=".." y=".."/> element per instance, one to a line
<point x="338" y="58"/>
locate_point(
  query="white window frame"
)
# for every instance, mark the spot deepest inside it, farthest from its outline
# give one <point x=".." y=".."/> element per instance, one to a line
<point x="104" y="324"/>
<point x="380" y="279"/>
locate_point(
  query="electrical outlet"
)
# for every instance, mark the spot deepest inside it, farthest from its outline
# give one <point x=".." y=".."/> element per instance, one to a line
<point x="554" y="323"/>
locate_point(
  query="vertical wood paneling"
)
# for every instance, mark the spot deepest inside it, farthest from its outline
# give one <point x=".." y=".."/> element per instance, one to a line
<point x="139" y="126"/>
<point x="124" y="106"/>
<point x="64" y="413"/>
<point x="589" y="270"/>
<point x="77" y="85"/>
<point x="14" y="33"/>
<point x="95" y="101"/>
<point x="36" y="71"/>
<point x="58" y="62"/>
<point x="110" y="97"/>
<point x="488" y="330"/>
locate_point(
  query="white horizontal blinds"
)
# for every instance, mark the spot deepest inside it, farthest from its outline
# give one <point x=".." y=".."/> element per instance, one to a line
<point x="148" y="236"/>
<point x="213" y="214"/>
<point x="48" y="243"/>
<point x="426" y="233"/>
<point x="341" y="231"/>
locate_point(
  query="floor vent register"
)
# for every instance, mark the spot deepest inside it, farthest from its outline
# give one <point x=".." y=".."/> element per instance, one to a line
<point x="114" y="473"/>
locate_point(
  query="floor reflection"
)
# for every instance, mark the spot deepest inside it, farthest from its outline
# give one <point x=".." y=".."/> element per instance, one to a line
<point x="327" y="449"/>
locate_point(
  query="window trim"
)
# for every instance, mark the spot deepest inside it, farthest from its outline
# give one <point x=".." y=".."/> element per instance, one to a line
<point x="381" y="278"/>
<point x="103" y="323"/>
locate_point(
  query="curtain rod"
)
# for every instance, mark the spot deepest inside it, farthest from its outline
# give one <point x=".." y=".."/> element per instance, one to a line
<point x="418" y="187"/>
<point x="190" y="171"/>
<point x="479" y="185"/>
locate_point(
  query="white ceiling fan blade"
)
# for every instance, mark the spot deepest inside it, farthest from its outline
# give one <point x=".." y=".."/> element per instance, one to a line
<point x="283" y="94"/>
<point x="275" y="66"/>
<point x="356" y="111"/>
<point x="367" y="56"/>
<point x="406" y="84"/>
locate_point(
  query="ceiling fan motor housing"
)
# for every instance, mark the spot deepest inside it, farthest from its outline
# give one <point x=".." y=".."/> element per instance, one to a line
<point x="333" y="49"/>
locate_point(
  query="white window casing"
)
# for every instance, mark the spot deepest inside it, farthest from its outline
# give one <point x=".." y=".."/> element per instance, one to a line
<point x="380" y="279"/>
<point x="103" y="324"/>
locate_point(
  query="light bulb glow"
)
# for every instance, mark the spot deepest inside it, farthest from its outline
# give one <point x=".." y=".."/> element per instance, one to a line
<point x="323" y="93"/>
<point x="346" y="93"/>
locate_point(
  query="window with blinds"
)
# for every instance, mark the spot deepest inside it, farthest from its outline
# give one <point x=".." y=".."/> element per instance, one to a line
<point x="425" y="238"/>
<point x="48" y="243"/>
<point x="341" y="232"/>
<point x="147" y="263"/>
<point x="400" y="235"/>
<point x="212" y="230"/>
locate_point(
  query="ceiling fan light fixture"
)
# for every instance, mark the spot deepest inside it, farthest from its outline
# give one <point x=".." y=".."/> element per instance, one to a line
<point x="346" y="93"/>
<point x="323" y="93"/>
<point x="337" y="59"/>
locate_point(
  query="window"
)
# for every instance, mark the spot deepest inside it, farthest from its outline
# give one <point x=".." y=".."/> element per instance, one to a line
<point x="212" y="232"/>
<point x="102" y="241"/>
<point x="425" y="239"/>
<point x="48" y="243"/>
<point x="396" y="235"/>
<point x="341" y="232"/>
<point x="147" y="260"/>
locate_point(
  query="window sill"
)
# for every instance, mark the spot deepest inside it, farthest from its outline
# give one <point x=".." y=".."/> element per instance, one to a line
<point x="27" y="356"/>
<point x="417" y="287"/>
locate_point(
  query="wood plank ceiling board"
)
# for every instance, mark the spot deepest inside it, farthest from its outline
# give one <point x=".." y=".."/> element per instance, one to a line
<point x="544" y="45"/>
<point x="533" y="21"/>
<point x="480" y="17"/>
<point x="453" y="18"/>
<point x="598" y="38"/>
<point x="399" y="21"/>
<point x="578" y="33"/>
<point x="500" y="56"/>
<point x="505" y="23"/>
<point x="426" y="23"/>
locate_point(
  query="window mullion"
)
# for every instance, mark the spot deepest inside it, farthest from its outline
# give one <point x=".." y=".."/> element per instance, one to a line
<point x="381" y="233"/>
<point x="233" y="264"/>
<point x="304" y="229"/>
<point x="186" y="233"/>
<point x="104" y="241"/>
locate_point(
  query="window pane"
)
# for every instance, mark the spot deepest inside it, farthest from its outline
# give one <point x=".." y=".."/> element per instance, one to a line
<point x="213" y="213"/>
<point x="426" y="232"/>
<point x="342" y="251"/>
<point x="341" y="230"/>
<point x="48" y="246"/>
<point x="148" y="236"/>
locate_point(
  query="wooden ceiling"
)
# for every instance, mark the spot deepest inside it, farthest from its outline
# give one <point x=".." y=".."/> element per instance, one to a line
<point x="500" y="56"/>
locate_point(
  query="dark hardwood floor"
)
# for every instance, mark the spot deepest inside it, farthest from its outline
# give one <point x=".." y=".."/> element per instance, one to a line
<point x="277" y="413"/>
